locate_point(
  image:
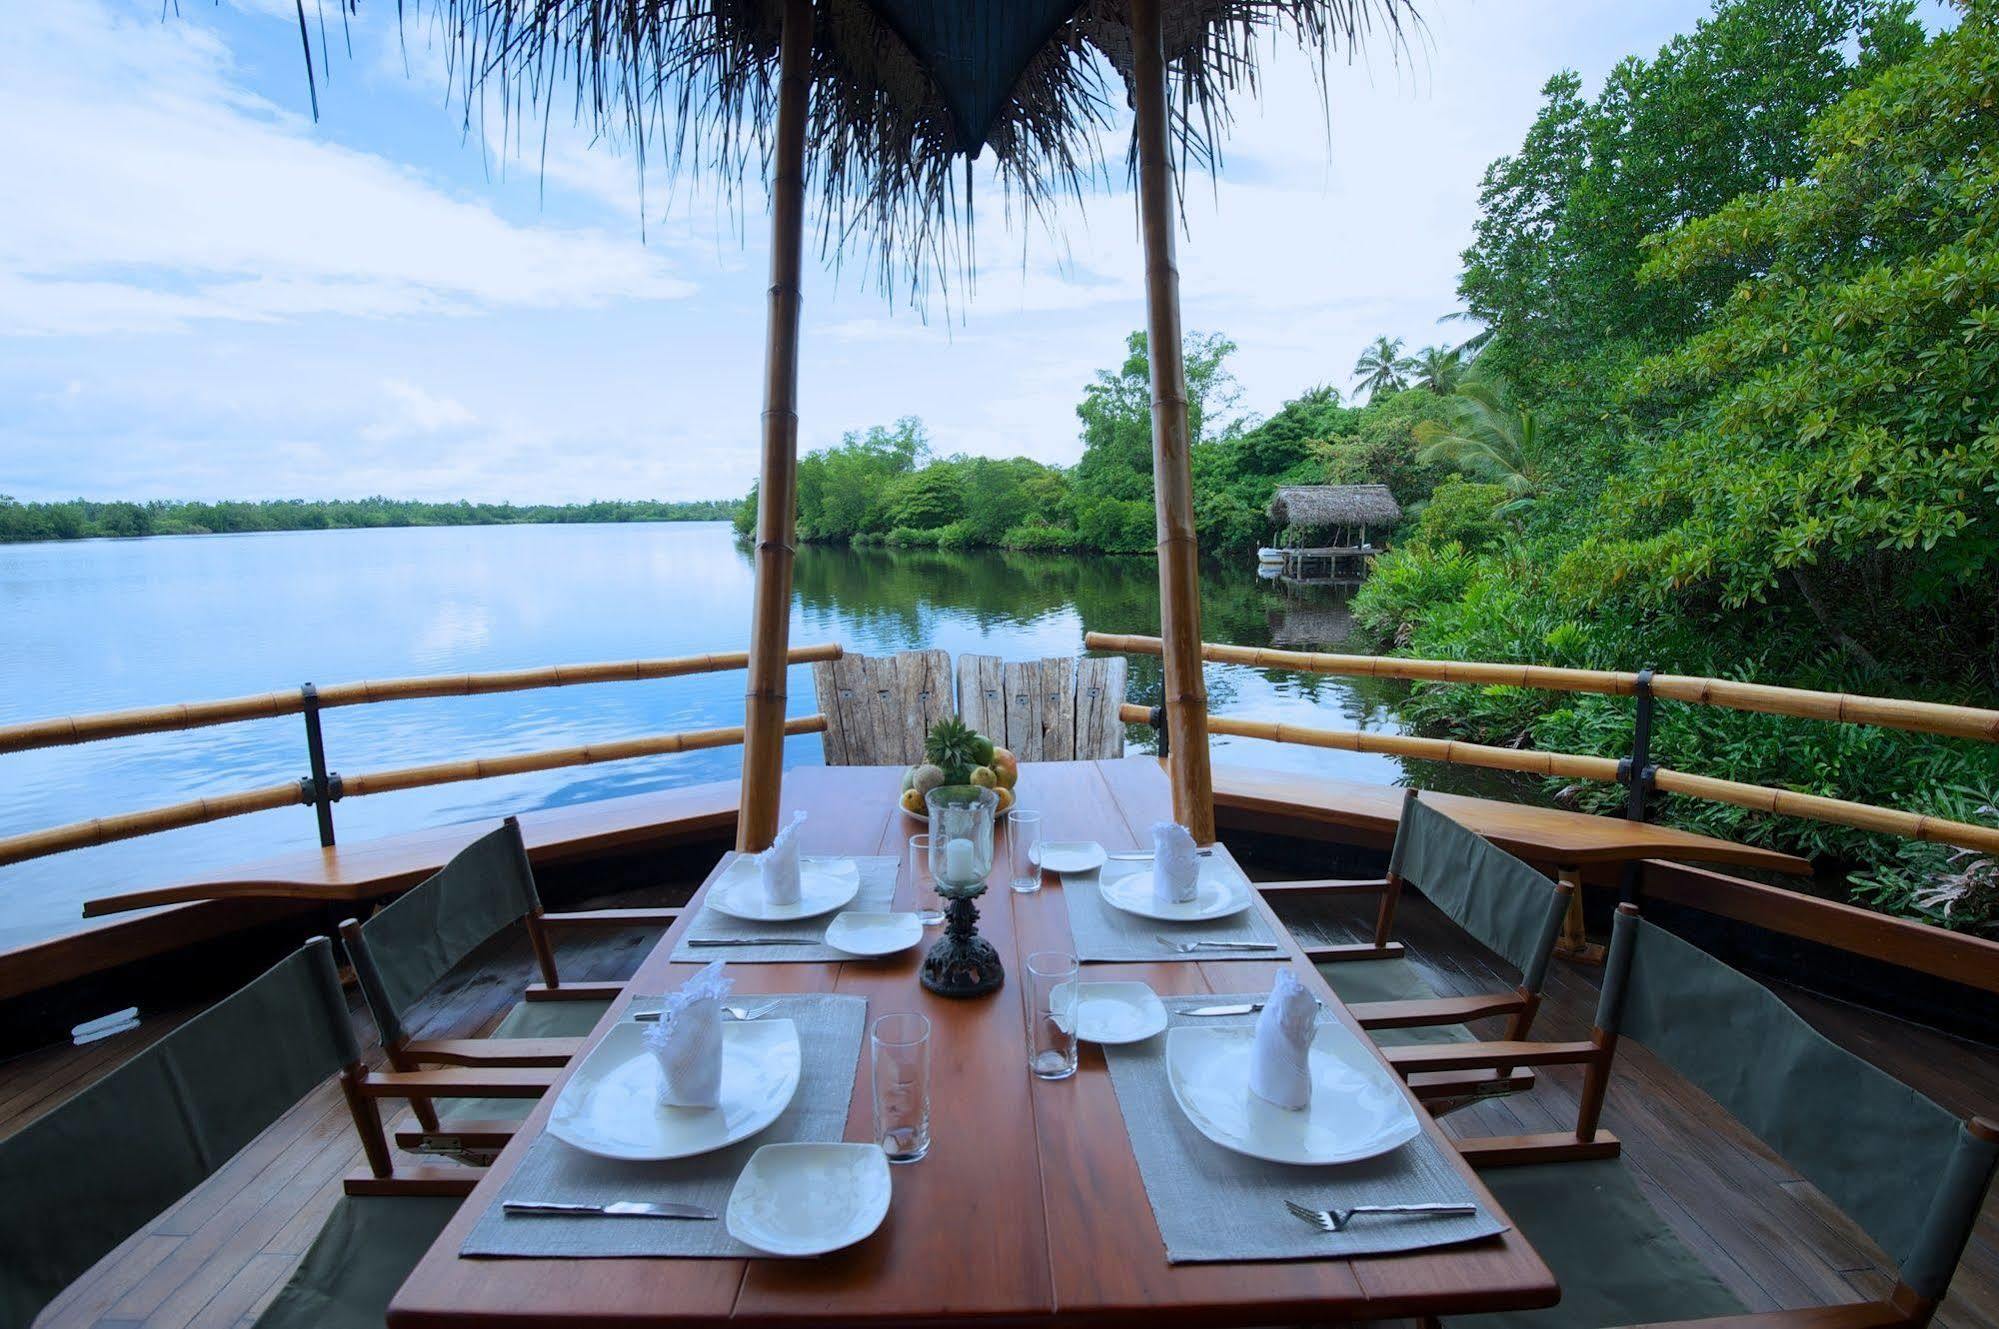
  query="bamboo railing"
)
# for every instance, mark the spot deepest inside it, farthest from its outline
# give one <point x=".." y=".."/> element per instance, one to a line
<point x="64" y="730"/>
<point x="1926" y="717"/>
<point x="1922" y="717"/>
<point x="119" y="724"/>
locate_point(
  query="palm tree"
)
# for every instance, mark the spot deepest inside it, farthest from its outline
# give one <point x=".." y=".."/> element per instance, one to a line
<point x="1438" y="368"/>
<point x="1483" y="435"/>
<point x="1382" y="365"/>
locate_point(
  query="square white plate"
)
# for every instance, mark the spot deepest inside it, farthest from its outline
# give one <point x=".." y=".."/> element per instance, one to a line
<point x="1220" y="892"/>
<point x="807" y="1199"/>
<point x="858" y="932"/>
<point x="611" y="1105"/>
<point x="825" y="884"/>
<point x="1069" y="855"/>
<point x="1357" y="1109"/>
<point x="1123" y="1012"/>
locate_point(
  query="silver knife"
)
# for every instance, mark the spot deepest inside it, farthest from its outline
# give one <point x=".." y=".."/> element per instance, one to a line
<point x="1146" y="855"/>
<point x="755" y="941"/>
<point x="616" y="1209"/>
<point x="1239" y="1008"/>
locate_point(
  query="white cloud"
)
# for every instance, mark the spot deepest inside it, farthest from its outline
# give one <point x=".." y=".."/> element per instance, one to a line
<point x="412" y="411"/>
<point x="165" y="194"/>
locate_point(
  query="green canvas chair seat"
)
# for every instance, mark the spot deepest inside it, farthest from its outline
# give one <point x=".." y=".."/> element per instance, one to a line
<point x="362" y="1255"/>
<point x="1369" y="981"/>
<point x="82" y="1177"/>
<point x="528" y="1019"/>
<point x="1618" y="1262"/>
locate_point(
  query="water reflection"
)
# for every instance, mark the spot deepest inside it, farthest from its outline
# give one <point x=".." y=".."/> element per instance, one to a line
<point x="99" y="625"/>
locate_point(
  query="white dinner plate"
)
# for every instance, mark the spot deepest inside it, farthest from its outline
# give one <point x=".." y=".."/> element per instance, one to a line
<point x="807" y="1199"/>
<point x="1219" y="893"/>
<point x="1069" y="855"/>
<point x="825" y="884"/>
<point x="611" y="1105"/>
<point x="1113" y="1012"/>
<point x="1357" y="1110"/>
<point x="860" y="933"/>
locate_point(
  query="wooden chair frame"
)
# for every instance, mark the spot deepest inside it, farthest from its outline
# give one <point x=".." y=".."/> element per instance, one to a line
<point x="1445" y="1084"/>
<point x="477" y="1067"/>
<point x="1902" y="1308"/>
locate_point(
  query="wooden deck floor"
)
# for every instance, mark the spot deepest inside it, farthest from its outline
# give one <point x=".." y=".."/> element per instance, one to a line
<point x="216" y="1258"/>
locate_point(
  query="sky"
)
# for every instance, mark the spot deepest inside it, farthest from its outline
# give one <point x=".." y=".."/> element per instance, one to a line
<point x="206" y="294"/>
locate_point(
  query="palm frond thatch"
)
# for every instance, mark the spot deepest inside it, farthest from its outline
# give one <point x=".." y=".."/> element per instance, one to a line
<point x="691" y="85"/>
<point x="1319" y="506"/>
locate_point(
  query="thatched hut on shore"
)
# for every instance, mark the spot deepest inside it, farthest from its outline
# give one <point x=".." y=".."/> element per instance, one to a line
<point x="1332" y="516"/>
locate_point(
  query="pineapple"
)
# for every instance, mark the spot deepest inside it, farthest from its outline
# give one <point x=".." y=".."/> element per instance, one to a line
<point x="953" y="747"/>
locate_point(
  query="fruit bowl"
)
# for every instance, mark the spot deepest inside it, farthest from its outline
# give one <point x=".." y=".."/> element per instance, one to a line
<point x="954" y="753"/>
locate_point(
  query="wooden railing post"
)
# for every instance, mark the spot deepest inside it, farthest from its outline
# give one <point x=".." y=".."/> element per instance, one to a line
<point x="1186" y="697"/>
<point x="777" y="484"/>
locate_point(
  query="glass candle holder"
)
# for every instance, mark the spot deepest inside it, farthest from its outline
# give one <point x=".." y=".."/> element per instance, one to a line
<point x="961" y="838"/>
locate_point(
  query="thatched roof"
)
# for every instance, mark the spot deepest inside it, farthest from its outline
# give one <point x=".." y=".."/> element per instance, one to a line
<point x="1334" y="505"/>
<point x="901" y="90"/>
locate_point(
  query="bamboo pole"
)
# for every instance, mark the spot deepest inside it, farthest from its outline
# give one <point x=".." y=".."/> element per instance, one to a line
<point x="1532" y="761"/>
<point x="1861" y="816"/>
<point x="1387" y="666"/>
<point x="69" y="729"/>
<point x="587" y="754"/>
<point x="103" y="830"/>
<point x="1574" y="766"/>
<point x="1186" y="692"/>
<point x="1926" y="717"/>
<point x="553" y="676"/>
<point x="777" y="486"/>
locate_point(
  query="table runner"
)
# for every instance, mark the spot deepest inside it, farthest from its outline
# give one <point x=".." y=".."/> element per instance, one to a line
<point x="1212" y="1203"/>
<point x="877" y="895"/>
<point x="1104" y="932"/>
<point x="830" y="1032"/>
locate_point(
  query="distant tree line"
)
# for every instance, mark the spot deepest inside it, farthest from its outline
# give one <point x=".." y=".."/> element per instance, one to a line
<point x="83" y="519"/>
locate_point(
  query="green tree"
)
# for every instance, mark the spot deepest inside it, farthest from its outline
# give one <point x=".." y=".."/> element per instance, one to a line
<point x="1116" y="413"/>
<point x="1382" y="367"/>
<point x="1439" y="368"/>
<point x="1718" y="112"/>
<point x="1484" y="435"/>
<point x="1833" y="437"/>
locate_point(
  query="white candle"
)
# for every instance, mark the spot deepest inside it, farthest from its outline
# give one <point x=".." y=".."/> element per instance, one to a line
<point x="959" y="867"/>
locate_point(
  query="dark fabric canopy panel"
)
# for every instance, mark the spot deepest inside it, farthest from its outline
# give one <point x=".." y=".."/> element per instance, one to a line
<point x="976" y="50"/>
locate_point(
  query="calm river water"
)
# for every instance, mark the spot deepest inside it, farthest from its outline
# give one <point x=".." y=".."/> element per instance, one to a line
<point x="102" y="624"/>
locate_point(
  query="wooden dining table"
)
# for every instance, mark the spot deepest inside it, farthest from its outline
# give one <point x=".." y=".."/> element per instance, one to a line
<point x="1029" y="1207"/>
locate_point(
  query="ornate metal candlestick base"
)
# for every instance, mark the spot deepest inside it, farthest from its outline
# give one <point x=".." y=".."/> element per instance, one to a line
<point x="962" y="963"/>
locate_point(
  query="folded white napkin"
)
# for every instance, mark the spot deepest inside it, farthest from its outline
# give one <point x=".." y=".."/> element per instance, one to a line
<point x="688" y="1041"/>
<point x="1278" y="1068"/>
<point x="1176" y="868"/>
<point x="778" y="865"/>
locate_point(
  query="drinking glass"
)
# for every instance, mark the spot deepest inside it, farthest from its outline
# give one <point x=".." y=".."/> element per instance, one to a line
<point x="901" y="1063"/>
<point x="1051" y="1015"/>
<point x="1023" y="833"/>
<point x="929" y="907"/>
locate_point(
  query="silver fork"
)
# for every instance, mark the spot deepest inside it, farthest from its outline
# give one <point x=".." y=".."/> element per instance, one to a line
<point x="733" y="1012"/>
<point x="1336" y="1220"/>
<point x="1189" y="947"/>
